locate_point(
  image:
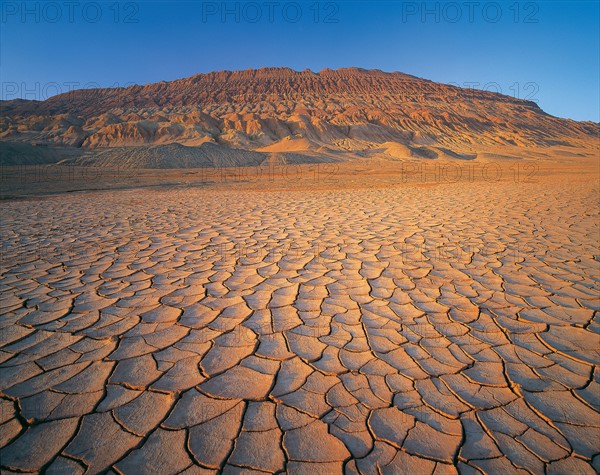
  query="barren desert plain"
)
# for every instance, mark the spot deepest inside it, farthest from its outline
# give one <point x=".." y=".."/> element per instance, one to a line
<point x="422" y="307"/>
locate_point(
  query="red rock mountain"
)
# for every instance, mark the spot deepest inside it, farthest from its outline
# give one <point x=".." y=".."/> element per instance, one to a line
<point x="281" y="110"/>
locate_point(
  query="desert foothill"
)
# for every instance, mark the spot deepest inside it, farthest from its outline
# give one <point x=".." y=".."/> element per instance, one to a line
<point x="275" y="270"/>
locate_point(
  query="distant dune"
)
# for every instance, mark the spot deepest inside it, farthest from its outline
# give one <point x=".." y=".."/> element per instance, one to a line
<point x="15" y="153"/>
<point x="290" y="144"/>
<point x="207" y="155"/>
<point x="181" y="156"/>
<point x="336" y="114"/>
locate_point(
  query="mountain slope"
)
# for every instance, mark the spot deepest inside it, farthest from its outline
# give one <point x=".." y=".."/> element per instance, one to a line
<point x="278" y="109"/>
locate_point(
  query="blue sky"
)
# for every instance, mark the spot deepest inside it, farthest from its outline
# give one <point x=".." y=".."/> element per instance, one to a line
<point x="546" y="51"/>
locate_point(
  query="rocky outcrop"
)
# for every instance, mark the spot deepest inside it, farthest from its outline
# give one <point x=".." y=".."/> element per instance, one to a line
<point x="345" y="109"/>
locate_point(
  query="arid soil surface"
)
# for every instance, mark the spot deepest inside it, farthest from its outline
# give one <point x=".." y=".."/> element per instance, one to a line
<point x="358" y="320"/>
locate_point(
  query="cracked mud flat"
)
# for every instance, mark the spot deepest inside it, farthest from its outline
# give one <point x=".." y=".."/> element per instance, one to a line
<point x="420" y="330"/>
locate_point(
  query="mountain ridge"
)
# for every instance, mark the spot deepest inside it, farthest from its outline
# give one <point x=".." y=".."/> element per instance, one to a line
<point x="347" y="109"/>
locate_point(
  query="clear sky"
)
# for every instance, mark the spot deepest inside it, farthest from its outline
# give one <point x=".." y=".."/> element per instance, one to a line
<point x="546" y="51"/>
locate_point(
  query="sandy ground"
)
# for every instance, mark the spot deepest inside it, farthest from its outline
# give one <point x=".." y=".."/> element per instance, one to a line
<point x="359" y="320"/>
<point x="374" y="172"/>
